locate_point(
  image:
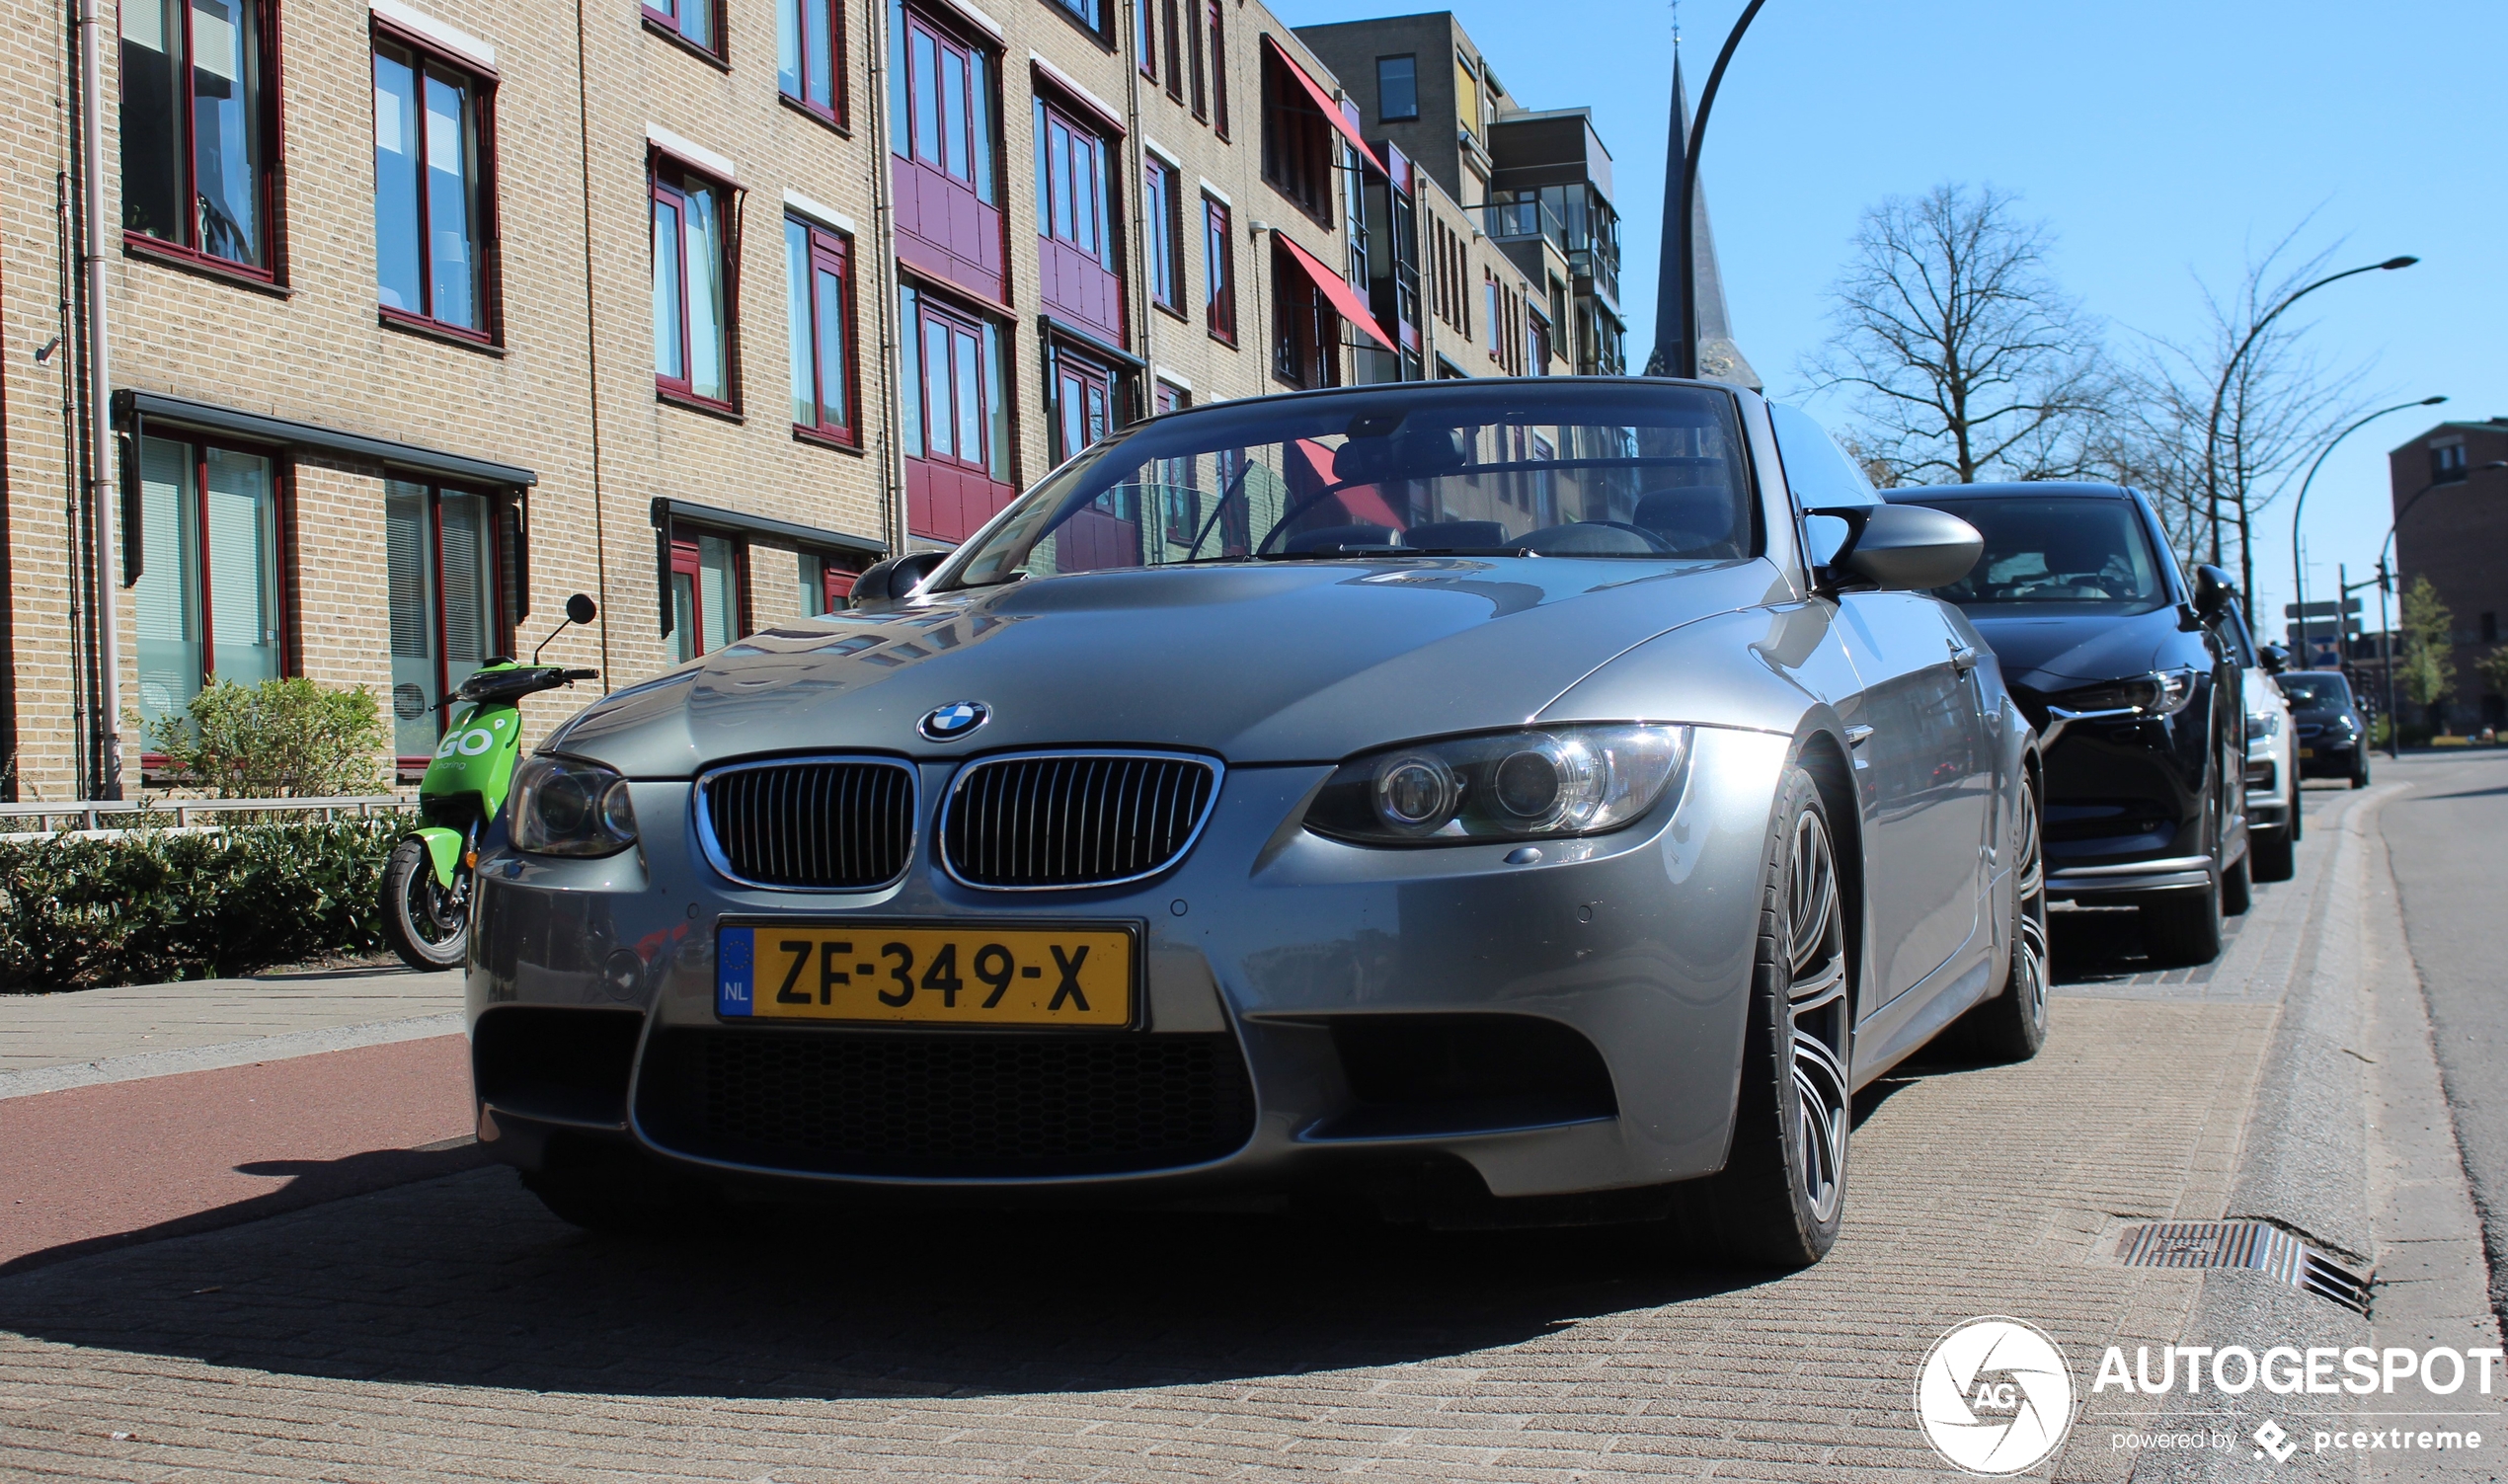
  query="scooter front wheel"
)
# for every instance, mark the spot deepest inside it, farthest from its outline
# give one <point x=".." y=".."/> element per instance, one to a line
<point x="427" y="925"/>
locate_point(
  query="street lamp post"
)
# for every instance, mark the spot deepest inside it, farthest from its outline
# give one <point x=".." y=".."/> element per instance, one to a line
<point x="2212" y="430"/>
<point x="1689" y="366"/>
<point x="2394" y="728"/>
<point x="2299" y="573"/>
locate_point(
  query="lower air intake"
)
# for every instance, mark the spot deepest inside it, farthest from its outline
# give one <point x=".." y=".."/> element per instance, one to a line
<point x="947" y="1104"/>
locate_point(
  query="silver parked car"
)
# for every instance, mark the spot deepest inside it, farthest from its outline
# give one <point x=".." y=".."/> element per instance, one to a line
<point x="1492" y="801"/>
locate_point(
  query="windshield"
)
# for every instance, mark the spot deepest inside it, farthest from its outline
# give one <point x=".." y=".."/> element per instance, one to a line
<point x="2316" y="688"/>
<point x="1576" y="469"/>
<point x="2085" y="554"/>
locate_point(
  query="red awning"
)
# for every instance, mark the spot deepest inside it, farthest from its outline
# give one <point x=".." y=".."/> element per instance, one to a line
<point x="1345" y="299"/>
<point x="1324" y="104"/>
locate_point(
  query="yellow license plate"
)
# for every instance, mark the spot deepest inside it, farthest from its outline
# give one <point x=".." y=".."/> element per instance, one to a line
<point x="926" y="974"/>
<point x="2307" y="752"/>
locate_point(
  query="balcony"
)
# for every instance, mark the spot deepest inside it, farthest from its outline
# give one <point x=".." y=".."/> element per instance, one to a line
<point x="1516" y="220"/>
<point x="1599" y="267"/>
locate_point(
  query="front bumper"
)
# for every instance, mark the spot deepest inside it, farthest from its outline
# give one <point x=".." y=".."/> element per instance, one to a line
<point x="2126" y="809"/>
<point x="1268" y="948"/>
<point x="2330" y="758"/>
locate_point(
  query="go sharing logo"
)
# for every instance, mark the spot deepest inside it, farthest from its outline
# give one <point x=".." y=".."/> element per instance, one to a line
<point x="1995" y="1396"/>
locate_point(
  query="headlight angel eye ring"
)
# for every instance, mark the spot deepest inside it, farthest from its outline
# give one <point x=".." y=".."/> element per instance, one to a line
<point x="1535" y="783"/>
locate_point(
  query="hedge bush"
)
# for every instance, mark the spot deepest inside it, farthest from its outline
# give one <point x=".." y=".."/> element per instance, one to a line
<point x="154" y="904"/>
<point x="283" y="737"/>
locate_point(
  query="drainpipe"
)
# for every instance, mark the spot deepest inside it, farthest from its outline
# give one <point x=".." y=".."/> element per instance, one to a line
<point x="884" y="284"/>
<point x="107" y="782"/>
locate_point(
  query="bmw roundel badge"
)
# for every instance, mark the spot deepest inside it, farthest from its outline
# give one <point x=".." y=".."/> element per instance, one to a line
<point x="955" y="720"/>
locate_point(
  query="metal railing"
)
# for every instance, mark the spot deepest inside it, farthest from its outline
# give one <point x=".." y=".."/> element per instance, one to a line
<point x="143" y="814"/>
<point x="1514" y="221"/>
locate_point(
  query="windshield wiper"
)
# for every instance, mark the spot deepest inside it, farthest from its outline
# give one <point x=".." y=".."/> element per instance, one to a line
<point x="1328" y="553"/>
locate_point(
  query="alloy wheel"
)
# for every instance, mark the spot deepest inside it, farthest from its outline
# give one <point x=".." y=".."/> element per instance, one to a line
<point x="1817" y="1009"/>
<point x="2029" y="964"/>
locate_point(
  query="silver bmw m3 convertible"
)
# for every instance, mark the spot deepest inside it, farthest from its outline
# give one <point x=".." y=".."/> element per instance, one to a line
<point x="1491" y="802"/>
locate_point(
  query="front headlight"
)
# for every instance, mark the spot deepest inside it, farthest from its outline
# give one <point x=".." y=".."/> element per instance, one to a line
<point x="1535" y="784"/>
<point x="2163" y="692"/>
<point x="563" y="805"/>
<point x="2261" y="727"/>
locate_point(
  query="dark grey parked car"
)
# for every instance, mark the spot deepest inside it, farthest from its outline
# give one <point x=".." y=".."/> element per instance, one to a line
<point x="1473" y="799"/>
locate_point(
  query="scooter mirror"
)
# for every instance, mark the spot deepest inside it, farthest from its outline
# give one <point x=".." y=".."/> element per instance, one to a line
<point x="580" y="609"/>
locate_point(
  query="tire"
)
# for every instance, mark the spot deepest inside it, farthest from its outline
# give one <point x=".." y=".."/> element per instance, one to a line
<point x="2298" y="821"/>
<point x="2360" y="776"/>
<point x="427" y="925"/>
<point x="2012" y="1026"/>
<point x="2272" y="856"/>
<point x="2183" y="927"/>
<point x="2237" y="886"/>
<point x="1781" y="1195"/>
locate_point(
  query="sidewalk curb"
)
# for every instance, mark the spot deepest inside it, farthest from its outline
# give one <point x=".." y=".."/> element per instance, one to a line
<point x="273" y="1048"/>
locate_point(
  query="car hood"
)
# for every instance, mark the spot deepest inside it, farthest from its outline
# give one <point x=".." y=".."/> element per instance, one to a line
<point x="1289" y="663"/>
<point x="2058" y="651"/>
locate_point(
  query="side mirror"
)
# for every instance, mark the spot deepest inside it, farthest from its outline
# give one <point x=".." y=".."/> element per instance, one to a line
<point x="1826" y="536"/>
<point x="2211" y="590"/>
<point x="2274" y="658"/>
<point x="1911" y="546"/>
<point x="887" y="581"/>
<point x="580" y="609"/>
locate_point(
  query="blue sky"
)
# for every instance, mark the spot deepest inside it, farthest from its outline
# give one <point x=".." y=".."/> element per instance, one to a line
<point x="2162" y="140"/>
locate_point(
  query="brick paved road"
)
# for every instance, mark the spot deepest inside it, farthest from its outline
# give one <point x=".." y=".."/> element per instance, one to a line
<point x="450" y="1329"/>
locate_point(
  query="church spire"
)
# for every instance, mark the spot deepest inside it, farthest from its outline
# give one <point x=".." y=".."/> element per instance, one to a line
<point x="1719" y="358"/>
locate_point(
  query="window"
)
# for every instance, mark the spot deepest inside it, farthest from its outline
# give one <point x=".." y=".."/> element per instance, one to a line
<point x="1213" y="18"/>
<point x="808" y="55"/>
<point x="819" y="307"/>
<point x="1536" y="345"/>
<point x="1490" y="336"/>
<point x="1083" y="398"/>
<point x="956" y="418"/>
<point x="196" y="132"/>
<point x="826" y="584"/>
<point x="2447" y="464"/>
<point x="705" y="595"/>
<point x="207" y="602"/>
<point x="1163" y="212"/>
<point x="432" y="201"/>
<point x="695" y="22"/>
<point x="1171" y="13"/>
<point x="1072" y="185"/>
<point x="440" y="556"/>
<point x="1306" y="328"/>
<point x="1397" y="88"/>
<point x="1146" y="36"/>
<point x="1218" y="270"/>
<point x="1089" y="13"/>
<point x="692" y="288"/>
<point x="1194" y="39"/>
<point x="1298" y="144"/>
<point x="1467" y="94"/>
<point x="945" y="137"/>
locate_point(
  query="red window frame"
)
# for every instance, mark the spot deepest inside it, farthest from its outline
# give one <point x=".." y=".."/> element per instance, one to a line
<point x="1061" y="141"/>
<point x="945" y="111"/>
<point x="666" y="177"/>
<point x="671" y="24"/>
<point x="959" y="326"/>
<point x="266" y="193"/>
<point x="505" y="607"/>
<point x="1171" y="15"/>
<point x="1163" y="255"/>
<point x="830" y="14"/>
<point x="282" y="492"/>
<point x="1299" y="143"/>
<point x="1083" y="403"/>
<point x="685" y="562"/>
<point x="835" y="583"/>
<point x="482" y="93"/>
<point x="1216" y="17"/>
<point x="831" y="252"/>
<point x="1306" y="328"/>
<point x="1219" y="265"/>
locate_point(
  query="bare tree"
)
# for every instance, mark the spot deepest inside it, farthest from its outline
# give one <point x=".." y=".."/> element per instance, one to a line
<point x="2280" y="403"/>
<point x="1965" y="359"/>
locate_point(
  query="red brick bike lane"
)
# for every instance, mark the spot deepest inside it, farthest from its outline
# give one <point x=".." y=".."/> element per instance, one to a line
<point x="106" y="1165"/>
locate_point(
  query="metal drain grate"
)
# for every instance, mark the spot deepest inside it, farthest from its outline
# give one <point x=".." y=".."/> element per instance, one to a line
<point x="2252" y="1245"/>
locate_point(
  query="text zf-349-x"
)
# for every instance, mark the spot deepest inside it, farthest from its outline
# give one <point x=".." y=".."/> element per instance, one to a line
<point x="971" y="974"/>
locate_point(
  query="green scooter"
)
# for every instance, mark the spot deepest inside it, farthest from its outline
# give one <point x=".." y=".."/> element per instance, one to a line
<point x="427" y="880"/>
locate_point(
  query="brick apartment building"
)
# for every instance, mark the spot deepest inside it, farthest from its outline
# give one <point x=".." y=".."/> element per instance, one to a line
<point x="2451" y="512"/>
<point x="346" y="337"/>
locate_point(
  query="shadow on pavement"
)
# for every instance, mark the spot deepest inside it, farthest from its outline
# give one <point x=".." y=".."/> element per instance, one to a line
<point x="2093" y="944"/>
<point x="468" y="1281"/>
<point x="311" y="1183"/>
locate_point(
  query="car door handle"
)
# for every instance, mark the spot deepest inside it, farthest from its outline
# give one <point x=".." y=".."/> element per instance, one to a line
<point x="1858" y="735"/>
<point x="1964" y="657"/>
